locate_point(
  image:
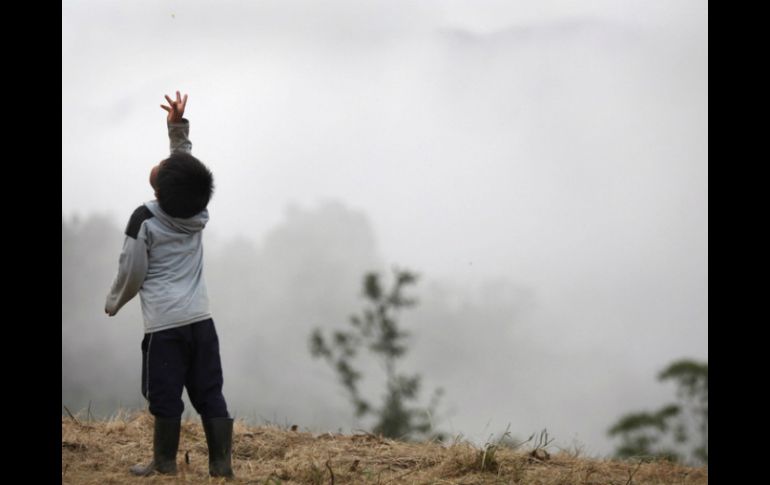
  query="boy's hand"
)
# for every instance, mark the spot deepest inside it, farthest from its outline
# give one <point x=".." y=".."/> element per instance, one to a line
<point x="175" y="108"/>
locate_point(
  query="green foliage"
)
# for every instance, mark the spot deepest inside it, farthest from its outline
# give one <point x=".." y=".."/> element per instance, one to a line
<point x="376" y="329"/>
<point x="675" y="431"/>
<point x="692" y="380"/>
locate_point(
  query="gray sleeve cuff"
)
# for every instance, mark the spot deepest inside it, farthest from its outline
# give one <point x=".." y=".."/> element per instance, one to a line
<point x="178" y="136"/>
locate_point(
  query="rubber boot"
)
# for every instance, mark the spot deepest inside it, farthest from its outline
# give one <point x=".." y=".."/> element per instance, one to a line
<point x="219" y="437"/>
<point x="165" y="446"/>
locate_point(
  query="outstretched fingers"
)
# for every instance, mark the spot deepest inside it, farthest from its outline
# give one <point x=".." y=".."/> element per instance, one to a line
<point x="175" y="108"/>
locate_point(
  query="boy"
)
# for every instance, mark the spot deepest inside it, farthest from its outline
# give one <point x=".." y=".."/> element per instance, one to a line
<point x="162" y="260"/>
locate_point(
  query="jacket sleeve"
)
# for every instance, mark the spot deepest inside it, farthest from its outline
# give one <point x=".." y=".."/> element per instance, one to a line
<point x="132" y="267"/>
<point x="178" y="136"/>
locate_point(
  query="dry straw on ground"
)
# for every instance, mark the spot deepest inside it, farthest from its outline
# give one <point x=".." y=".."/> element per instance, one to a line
<point x="100" y="452"/>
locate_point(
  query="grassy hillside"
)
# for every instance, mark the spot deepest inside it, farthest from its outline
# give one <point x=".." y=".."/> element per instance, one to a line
<point x="100" y="452"/>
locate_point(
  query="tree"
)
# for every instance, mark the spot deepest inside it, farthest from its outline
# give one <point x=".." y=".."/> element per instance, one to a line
<point x="377" y="330"/>
<point x="692" y="380"/>
<point x="677" y="432"/>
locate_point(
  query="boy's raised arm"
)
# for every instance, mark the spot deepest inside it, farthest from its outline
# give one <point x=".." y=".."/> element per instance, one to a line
<point x="178" y="126"/>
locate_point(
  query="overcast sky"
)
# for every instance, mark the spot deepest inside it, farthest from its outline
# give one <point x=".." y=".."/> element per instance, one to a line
<point x="558" y="146"/>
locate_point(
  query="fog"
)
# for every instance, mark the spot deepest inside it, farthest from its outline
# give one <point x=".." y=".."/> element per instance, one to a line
<point x="544" y="167"/>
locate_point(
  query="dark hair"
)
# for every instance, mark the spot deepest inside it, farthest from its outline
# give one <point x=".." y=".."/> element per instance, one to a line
<point x="184" y="185"/>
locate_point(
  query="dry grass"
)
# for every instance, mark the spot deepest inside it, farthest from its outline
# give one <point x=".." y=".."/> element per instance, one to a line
<point x="101" y="452"/>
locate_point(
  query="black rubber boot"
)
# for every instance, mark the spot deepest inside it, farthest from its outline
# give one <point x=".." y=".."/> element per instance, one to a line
<point x="165" y="446"/>
<point x="219" y="437"/>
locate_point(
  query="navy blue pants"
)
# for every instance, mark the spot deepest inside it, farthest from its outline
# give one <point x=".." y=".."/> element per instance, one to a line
<point x="186" y="356"/>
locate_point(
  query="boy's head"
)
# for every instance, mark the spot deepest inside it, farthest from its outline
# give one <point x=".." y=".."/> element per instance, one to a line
<point x="183" y="185"/>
